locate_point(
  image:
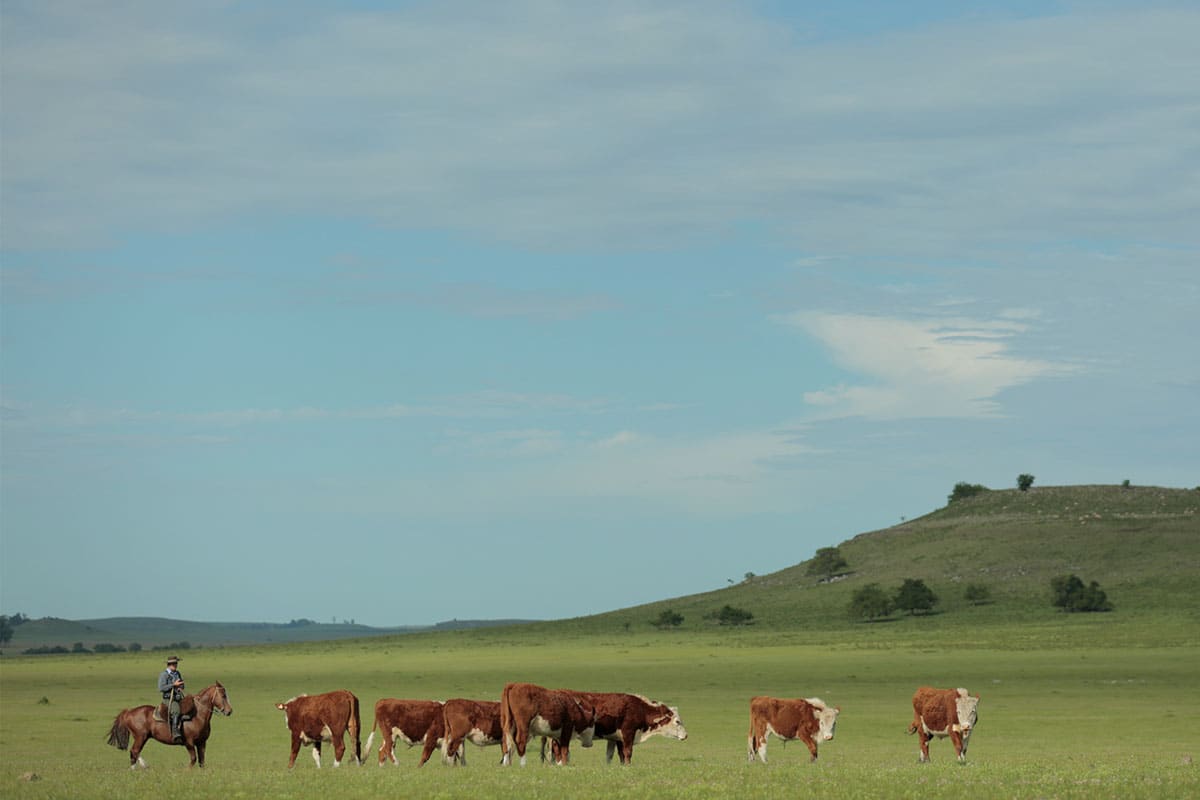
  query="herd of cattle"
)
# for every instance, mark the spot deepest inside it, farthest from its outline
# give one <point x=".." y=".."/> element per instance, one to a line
<point x="526" y="711"/>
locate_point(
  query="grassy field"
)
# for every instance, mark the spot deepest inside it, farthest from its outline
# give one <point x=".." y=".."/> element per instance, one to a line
<point x="1073" y="706"/>
<point x="1059" y="717"/>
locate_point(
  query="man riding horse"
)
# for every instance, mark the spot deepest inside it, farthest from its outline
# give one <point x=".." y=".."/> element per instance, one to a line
<point x="170" y="685"/>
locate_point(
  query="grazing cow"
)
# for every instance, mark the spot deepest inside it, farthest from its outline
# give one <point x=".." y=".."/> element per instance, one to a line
<point x="529" y="710"/>
<point x="317" y="718"/>
<point x="409" y="721"/>
<point x="624" y="720"/>
<point x="474" y="721"/>
<point x="942" y="713"/>
<point x="808" y="720"/>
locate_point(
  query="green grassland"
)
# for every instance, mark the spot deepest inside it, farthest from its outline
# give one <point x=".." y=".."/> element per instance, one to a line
<point x="1073" y="705"/>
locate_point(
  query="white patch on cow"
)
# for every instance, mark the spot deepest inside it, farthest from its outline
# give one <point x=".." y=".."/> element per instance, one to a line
<point x="317" y="757"/>
<point x="479" y="738"/>
<point x="539" y="726"/>
<point x="398" y="734"/>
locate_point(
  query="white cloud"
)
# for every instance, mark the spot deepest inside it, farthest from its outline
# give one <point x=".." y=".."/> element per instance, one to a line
<point x="920" y="367"/>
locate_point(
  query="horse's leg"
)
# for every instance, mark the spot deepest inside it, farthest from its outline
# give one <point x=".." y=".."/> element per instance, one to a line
<point x="200" y="745"/>
<point x="191" y="748"/>
<point x="135" y="750"/>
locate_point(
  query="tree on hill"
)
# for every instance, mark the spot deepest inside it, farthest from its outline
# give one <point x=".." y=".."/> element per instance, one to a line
<point x="669" y="618"/>
<point x="963" y="490"/>
<point x="827" y="562"/>
<point x="913" y="596"/>
<point x="1071" y="595"/>
<point x="977" y="594"/>
<point x="870" y="602"/>
<point x="6" y="629"/>
<point x="1024" y="481"/>
<point x="728" y="615"/>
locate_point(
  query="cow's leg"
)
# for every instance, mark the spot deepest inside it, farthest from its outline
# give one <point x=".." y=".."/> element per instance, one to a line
<point x="609" y="751"/>
<point x="339" y="749"/>
<point x="449" y="749"/>
<point x="522" y="741"/>
<point x="317" y="752"/>
<point x="812" y="748"/>
<point x="431" y="743"/>
<point x="959" y="749"/>
<point x="925" y="739"/>
<point x="627" y="738"/>
<point x="563" y="756"/>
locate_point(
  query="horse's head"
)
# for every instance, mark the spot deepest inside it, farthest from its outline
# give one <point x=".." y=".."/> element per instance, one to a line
<point x="218" y="698"/>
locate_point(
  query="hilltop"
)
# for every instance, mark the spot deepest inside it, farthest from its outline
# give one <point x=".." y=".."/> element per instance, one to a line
<point x="1142" y="544"/>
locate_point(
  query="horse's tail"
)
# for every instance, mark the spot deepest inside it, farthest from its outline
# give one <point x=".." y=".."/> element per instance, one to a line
<point x="118" y="734"/>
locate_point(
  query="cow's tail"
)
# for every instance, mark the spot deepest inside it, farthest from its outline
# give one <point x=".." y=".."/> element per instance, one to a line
<point x="507" y="724"/>
<point x="371" y="736"/>
<point x="355" y="729"/>
<point x="912" y="729"/>
<point x="751" y="740"/>
<point x="118" y="734"/>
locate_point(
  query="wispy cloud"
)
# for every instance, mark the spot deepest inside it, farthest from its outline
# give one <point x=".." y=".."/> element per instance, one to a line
<point x="428" y="117"/>
<point x="920" y="367"/>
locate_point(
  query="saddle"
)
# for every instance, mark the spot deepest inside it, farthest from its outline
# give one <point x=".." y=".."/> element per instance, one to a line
<point x="187" y="710"/>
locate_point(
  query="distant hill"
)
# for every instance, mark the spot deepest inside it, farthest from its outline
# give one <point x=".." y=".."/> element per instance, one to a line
<point x="150" y="633"/>
<point x="1142" y="544"/>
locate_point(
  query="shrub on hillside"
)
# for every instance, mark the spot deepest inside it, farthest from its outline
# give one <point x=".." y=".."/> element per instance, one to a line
<point x="1071" y="595"/>
<point x="913" y="596"/>
<point x="870" y="602"/>
<point x="728" y="615"/>
<point x="827" y="562"/>
<point x="669" y="618"/>
<point x="1024" y="481"/>
<point x="963" y="490"/>
<point x="977" y="594"/>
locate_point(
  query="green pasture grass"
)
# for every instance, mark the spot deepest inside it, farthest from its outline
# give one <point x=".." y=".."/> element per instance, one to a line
<point x="1059" y="716"/>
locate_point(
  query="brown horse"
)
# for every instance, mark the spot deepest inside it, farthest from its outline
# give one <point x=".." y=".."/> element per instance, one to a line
<point x="140" y="724"/>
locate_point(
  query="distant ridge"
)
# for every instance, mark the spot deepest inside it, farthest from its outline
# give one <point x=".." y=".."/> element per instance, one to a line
<point x="150" y="633"/>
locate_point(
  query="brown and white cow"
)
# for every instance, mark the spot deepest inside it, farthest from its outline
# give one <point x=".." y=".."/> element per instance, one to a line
<point x="809" y="720"/>
<point x="530" y="710"/>
<point x="624" y="720"/>
<point x="408" y="721"/>
<point x="942" y="713"/>
<point x="317" y="718"/>
<point x="474" y="721"/>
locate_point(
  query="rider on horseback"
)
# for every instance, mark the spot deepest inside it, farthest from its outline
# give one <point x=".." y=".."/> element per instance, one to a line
<point x="170" y="684"/>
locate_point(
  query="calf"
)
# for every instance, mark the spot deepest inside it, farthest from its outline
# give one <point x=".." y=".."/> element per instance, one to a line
<point x="942" y="713"/>
<point x="808" y="720"/>
<point x="327" y="717"/>
<point x="474" y="721"/>
<point x="529" y="710"/>
<point x="409" y="721"/>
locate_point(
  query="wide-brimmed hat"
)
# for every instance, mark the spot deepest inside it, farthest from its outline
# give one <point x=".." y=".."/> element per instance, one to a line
<point x="173" y="660"/>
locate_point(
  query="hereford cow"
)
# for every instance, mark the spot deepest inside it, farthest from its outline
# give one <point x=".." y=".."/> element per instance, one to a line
<point x="318" y="718"/>
<point x="808" y="720"/>
<point x="474" y="721"/>
<point x="528" y="710"/>
<point x="942" y="713"/>
<point x="624" y="720"/>
<point x="409" y="721"/>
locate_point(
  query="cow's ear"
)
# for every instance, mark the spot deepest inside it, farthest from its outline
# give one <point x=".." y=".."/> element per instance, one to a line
<point x="976" y="697"/>
<point x="279" y="706"/>
<point x="838" y="709"/>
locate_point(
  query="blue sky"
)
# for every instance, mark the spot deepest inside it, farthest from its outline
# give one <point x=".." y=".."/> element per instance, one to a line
<point x="402" y="312"/>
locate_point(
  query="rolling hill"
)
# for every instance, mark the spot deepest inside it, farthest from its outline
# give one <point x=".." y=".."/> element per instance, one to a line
<point x="1142" y="544"/>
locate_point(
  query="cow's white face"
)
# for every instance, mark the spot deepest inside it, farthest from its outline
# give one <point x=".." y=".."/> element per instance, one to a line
<point x="827" y="721"/>
<point x="968" y="713"/>
<point x="673" y="726"/>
